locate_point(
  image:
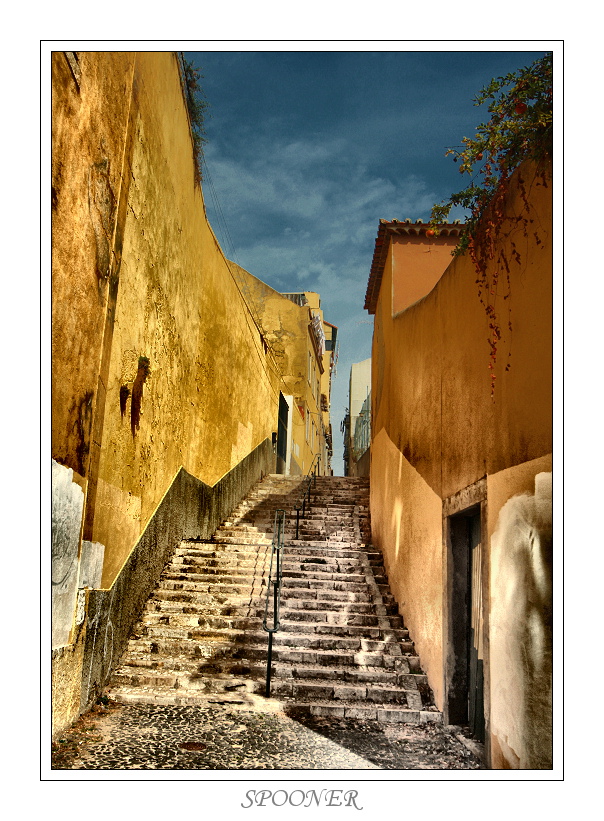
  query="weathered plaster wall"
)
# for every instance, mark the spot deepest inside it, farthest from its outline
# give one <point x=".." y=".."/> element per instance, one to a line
<point x="417" y="264"/>
<point x="67" y="509"/>
<point x="157" y="363"/>
<point x="430" y="378"/>
<point x="362" y="468"/>
<point x="90" y="127"/>
<point x="185" y="347"/>
<point x="406" y="523"/>
<point x="436" y="430"/>
<point x="286" y="327"/>
<point x="521" y="559"/>
<point x="67" y="665"/>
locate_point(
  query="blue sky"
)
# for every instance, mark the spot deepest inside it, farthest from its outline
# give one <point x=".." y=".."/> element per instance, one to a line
<point x="307" y="150"/>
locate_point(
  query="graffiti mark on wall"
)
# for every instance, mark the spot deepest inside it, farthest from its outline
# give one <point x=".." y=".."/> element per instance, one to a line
<point x="100" y="674"/>
<point x="137" y="393"/>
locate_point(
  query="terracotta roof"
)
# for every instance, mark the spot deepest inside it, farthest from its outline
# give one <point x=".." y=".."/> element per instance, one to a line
<point x="387" y="229"/>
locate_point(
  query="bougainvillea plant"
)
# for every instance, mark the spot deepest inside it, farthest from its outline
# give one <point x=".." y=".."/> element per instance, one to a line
<point x="520" y="128"/>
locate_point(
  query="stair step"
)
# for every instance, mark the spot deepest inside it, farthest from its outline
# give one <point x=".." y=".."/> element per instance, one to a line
<point x="341" y="648"/>
<point x="142" y="669"/>
<point x="215" y="642"/>
<point x="385" y="714"/>
<point x="221" y="625"/>
<point x="299" y="662"/>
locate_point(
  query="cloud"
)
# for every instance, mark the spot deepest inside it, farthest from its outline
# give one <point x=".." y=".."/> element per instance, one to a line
<point x="304" y="216"/>
<point x="308" y="150"/>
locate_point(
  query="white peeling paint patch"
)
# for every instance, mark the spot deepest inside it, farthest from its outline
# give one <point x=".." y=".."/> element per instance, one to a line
<point x="521" y="626"/>
<point x="67" y="508"/>
<point x="81" y="607"/>
<point x="91" y="564"/>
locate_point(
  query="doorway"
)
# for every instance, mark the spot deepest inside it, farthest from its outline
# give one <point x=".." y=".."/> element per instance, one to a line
<point x="282" y="434"/>
<point x="466" y="656"/>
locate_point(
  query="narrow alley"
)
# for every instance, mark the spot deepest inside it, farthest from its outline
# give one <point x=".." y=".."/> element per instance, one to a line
<point x="347" y="689"/>
<point x="220" y="598"/>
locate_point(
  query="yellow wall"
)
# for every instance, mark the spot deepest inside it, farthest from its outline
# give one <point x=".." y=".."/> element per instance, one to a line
<point x="436" y="430"/>
<point x="286" y="329"/>
<point x="417" y="264"/>
<point x="67" y="662"/>
<point x="211" y="394"/>
<point x="89" y="136"/>
<point x="328" y="364"/>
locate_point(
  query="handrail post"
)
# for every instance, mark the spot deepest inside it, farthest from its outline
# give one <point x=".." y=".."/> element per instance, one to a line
<point x="275" y="580"/>
<point x="269" y="664"/>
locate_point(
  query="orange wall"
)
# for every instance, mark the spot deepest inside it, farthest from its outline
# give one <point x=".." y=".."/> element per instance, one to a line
<point x="431" y="381"/>
<point x="418" y="263"/>
<point x="436" y="429"/>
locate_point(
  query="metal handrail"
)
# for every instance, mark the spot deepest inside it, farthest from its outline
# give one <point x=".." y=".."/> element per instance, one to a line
<point x="274" y="579"/>
<point x="305" y="495"/>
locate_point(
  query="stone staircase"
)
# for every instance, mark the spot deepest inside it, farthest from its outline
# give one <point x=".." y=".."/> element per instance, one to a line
<point x="341" y="649"/>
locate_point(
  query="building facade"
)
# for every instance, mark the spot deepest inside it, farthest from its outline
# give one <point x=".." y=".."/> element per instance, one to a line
<point x="303" y="345"/>
<point x="357" y="445"/>
<point x="461" y="464"/>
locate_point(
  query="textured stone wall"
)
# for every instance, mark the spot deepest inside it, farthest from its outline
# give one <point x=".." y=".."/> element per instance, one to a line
<point x="189" y="510"/>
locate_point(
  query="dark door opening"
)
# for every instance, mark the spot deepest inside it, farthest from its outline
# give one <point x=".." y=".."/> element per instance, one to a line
<point x="466" y="677"/>
<point x="282" y="434"/>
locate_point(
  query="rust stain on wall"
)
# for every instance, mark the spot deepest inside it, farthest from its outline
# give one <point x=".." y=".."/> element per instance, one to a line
<point x="83" y="426"/>
<point x="137" y="393"/>
<point x="124" y="394"/>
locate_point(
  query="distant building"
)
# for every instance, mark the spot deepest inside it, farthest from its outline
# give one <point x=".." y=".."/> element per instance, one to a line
<point x="358" y="424"/>
<point x="303" y="346"/>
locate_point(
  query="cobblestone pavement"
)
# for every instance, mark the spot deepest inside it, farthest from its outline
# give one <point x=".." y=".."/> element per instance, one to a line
<point x="223" y="737"/>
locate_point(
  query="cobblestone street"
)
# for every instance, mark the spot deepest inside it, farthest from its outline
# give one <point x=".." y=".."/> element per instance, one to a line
<point x="220" y="737"/>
